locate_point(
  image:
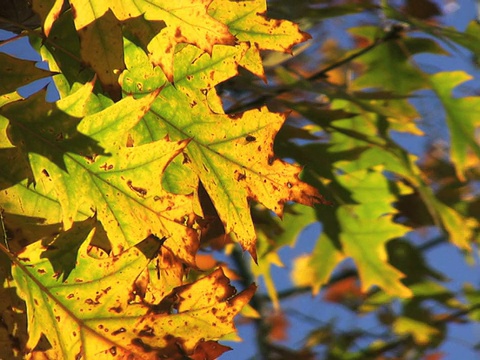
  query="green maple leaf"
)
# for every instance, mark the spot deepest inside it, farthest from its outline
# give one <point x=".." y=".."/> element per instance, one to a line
<point x="90" y="307"/>
<point x="363" y="229"/>
<point x="388" y="65"/>
<point x="461" y="117"/>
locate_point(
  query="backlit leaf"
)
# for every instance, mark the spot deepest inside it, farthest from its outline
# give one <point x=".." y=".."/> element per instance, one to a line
<point x="247" y="21"/>
<point x="461" y="117"/>
<point x="231" y="155"/>
<point x="70" y="154"/>
<point x="389" y="65"/>
<point x="204" y="32"/>
<point x="95" y="310"/>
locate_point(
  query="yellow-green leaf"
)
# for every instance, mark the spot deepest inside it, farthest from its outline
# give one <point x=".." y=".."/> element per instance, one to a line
<point x="90" y="307"/>
<point x="185" y="21"/>
<point x="247" y="21"/>
<point x="462" y="117"/>
<point x="91" y="169"/>
<point x="231" y="155"/>
<point x="421" y="332"/>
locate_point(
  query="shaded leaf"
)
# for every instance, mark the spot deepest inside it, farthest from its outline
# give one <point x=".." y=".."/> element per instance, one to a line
<point x="101" y="47"/>
<point x="388" y="65"/>
<point x="16" y="15"/>
<point x="16" y="73"/>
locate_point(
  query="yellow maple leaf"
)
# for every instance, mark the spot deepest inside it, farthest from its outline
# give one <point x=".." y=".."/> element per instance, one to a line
<point x="182" y="21"/>
<point x="90" y="307"/>
<point x="247" y="21"/>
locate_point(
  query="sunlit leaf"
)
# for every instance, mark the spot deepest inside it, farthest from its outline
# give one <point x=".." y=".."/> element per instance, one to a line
<point x="93" y="306"/>
<point x="422" y="333"/>
<point x="205" y="32"/>
<point x="461" y="117"/>
<point x="70" y="154"/>
<point x="235" y="163"/>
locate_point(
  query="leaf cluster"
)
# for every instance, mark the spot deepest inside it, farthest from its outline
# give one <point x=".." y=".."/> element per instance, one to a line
<point x="166" y="141"/>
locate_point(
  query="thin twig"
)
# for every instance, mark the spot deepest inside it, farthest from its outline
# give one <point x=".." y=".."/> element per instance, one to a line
<point x="259" y="101"/>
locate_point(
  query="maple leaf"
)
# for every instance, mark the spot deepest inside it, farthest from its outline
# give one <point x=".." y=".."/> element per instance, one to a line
<point x="232" y="156"/>
<point x="361" y="233"/>
<point x="247" y="21"/>
<point x="121" y="184"/>
<point x="96" y="312"/>
<point x="461" y="118"/>
<point x="388" y="65"/>
<point x="185" y="21"/>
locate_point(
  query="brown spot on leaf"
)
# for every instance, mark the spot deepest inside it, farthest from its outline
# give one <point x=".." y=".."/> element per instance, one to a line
<point x="106" y="167"/>
<point x="140" y="191"/>
<point x="147" y="331"/>
<point x="178" y="32"/>
<point x="130" y="140"/>
<point x="45" y="172"/>
<point x="91" y="302"/>
<point x="241" y="176"/>
<point x="116" y="309"/>
<point x="235" y="116"/>
<point x="90" y="159"/>
<point x="138" y="342"/>
<point x="119" y="331"/>
<point x="250" y="138"/>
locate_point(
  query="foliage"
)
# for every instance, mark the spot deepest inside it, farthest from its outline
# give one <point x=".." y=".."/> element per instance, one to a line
<point x="160" y="148"/>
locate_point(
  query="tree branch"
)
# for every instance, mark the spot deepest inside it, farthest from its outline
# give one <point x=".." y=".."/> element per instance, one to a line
<point x="392" y="34"/>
